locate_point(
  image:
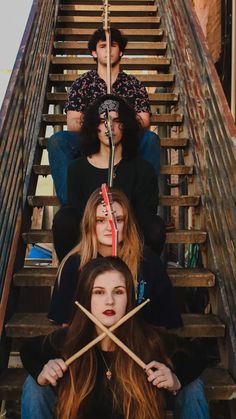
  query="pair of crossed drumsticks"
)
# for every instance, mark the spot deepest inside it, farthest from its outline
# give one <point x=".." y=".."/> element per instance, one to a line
<point x="108" y="332"/>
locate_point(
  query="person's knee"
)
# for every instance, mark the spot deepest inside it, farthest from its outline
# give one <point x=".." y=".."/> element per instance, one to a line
<point x="36" y="398"/>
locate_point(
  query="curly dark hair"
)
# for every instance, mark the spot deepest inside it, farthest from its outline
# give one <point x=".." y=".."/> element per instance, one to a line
<point x="99" y="35"/>
<point x="127" y="116"/>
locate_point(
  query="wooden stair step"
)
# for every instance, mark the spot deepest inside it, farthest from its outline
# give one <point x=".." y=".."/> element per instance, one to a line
<point x="34" y="324"/>
<point x="176" y="236"/>
<point x="35" y="277"/>
<point x="176" y="170"/>
<point x="114" y="9"/>
<point x="183" y="201"/>
<point x="113" y="2"/>
<point x="155" y="98"/>
<point x="174" y="142"/>
<point x="132" y="34"/>
<point x="144" y="48"/>
<point x="165" y="119"/>
<point x="155" y="63"/>
<point x="44" y="170"/>
<point x="153" y="80"/>
<point x="120" y="21"/>
<point x="186" y="236"/>
<point x="180" y="277"/>
<point x="164" y="142"/>
<point x="194" y="277"/>
<point x="219" y="384"/>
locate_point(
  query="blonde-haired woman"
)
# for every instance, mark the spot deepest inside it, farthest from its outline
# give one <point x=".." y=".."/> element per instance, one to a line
<point x="150" y="277"/>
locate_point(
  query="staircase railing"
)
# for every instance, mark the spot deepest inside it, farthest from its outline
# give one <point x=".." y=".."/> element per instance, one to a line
<point x="213" y="142"/>
<point x="20" y="119"/>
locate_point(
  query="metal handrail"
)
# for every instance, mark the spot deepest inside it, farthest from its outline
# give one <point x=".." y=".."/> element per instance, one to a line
<point x="212" y="133"/>
<point x="20" y="119"/>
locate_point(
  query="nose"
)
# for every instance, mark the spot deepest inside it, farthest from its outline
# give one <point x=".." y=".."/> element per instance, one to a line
<point x="108" y="226"/>
<point x="109" y="299"/>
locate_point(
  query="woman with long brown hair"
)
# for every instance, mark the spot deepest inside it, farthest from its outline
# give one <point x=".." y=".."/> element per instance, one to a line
<point x="87" y="390"/>
<point x="150" y="277"/>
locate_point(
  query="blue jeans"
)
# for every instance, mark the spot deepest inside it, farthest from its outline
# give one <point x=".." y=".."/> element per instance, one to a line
<point x="190" y="403"/>
<point x="65" y="146"/>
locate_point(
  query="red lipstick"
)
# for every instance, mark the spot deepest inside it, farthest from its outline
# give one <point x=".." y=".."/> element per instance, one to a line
<point x="109" y="312"/>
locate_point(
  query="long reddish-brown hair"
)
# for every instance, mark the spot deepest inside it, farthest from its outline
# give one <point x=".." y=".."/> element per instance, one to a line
<point x="131" y="390"/>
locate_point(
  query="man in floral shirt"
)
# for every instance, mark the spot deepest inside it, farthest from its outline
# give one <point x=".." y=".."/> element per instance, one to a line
<point x="65" y="146"/>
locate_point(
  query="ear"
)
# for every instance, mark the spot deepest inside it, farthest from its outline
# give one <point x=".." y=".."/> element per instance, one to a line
<point x="121" y="54"/>
<point x="94" y="54"/>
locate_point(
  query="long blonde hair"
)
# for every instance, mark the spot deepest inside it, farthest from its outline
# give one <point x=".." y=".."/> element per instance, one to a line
<point x="130" y="249"/>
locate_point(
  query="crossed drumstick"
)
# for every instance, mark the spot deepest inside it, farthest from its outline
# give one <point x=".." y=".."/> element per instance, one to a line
<point x="108" y="332"/>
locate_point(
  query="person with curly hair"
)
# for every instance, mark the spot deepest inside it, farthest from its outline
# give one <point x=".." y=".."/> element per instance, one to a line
<point x="65" y="146"/>
<point x="133" y="175"/>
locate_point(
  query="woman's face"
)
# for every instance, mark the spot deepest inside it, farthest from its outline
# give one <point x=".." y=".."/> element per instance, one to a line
<point x="116" y="129"/>
<point x="103" y="228"/>
<point x="109" y="297"/>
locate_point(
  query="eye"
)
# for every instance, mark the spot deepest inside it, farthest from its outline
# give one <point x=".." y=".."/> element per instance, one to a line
<point x="120" y="220"/>
<point x="98" y="292"/>
<point x="100" y="220"/>
<point x="119" y="291"/>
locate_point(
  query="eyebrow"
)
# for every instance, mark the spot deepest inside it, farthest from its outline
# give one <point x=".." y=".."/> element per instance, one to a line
<point x="118" y="286"/>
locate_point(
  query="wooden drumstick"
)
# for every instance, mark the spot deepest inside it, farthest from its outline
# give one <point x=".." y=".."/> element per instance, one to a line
<point x="112" y="337"/>
<point x="103" y="335"/>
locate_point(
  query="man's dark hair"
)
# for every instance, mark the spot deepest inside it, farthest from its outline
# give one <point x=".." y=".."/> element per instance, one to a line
<point x="99" y="35"/>
<point x="127" y="116"/>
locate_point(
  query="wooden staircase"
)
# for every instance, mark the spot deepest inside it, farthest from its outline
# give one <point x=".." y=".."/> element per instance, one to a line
<point x="147" y="55"/>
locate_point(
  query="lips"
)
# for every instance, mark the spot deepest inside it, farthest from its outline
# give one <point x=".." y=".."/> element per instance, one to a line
<point x="109" y="312"/>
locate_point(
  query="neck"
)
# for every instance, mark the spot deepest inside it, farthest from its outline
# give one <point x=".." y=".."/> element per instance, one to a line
<point x="106" y="343"/>
<point x="104" y="250"/>
<point x="102" y="72"/>
<point x="101" y="159"/>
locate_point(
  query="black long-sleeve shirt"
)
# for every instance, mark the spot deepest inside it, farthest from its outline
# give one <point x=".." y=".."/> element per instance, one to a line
<point x="161" y="311"/>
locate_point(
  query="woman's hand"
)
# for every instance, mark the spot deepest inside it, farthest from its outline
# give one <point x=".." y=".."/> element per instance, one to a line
<point x="51" y="372"/>
<point x="161" y="376"/>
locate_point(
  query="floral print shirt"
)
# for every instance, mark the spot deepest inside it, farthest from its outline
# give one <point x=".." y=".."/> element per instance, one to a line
<point x="90" y="86"/>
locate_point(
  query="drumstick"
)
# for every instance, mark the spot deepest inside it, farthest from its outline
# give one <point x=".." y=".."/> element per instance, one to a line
<point x="103" y="335"/>
<point x="112" y="337"/>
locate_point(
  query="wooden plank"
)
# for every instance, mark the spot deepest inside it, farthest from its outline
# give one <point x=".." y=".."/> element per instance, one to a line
<point x="148" y="80"/>
<point x="34" y="324"/>
<point x="195" y="277"/>
<point x="35" y="277"/>
<point x="120" y="21"/>
<point x="176" y="170"/>
<point x="155" y="98"/>
<point x="180" y="201"/>
<point x="186" y="236"/>
<point x="140" y="48"/>
<point x="122" y="9"/>
<point x="219" y="384"/>
<point x="132" y="34"/>
<point x="183" y="201"/>
<point x="39" y="276"/>
<point x="174" y="142"/>
<point x="38" y="236"/>
<point x="154" y="63"/>
<point x="160" y="119"/>
<point x="165" y="142"/>
<point x="44" y="170"/>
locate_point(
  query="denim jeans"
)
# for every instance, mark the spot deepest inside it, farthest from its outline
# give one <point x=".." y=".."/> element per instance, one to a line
<point x="37" y="401"/>
<point x="65" y="146"/>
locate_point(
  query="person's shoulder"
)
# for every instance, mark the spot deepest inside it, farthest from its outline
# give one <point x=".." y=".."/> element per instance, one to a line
<point x="143" y="164"/>
<point x="72" y="263"/>
<point x="78" y="163"/>
<point x="85" y="76"/>
<point x="129" y="77"/>
<point x="151" y="259"/>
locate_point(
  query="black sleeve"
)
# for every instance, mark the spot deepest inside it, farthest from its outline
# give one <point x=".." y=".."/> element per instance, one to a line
<point x="146" y="192"/>
<point x="62" y="301"/>
<point x="187" y="356"/>
<point x="162" y="310"/>
<point x="37" y="351"/>
<point x="75" y="178"/>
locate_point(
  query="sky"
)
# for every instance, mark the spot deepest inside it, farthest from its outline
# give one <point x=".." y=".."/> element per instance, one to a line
<point x="13" y="18"/>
